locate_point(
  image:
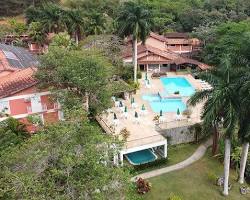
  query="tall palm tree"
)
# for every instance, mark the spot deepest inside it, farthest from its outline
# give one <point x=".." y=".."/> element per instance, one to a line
<point x="49" y="15"/>
<point x="220" y="106"/>
<point x="75" y="23"/>
<point x="96" y="23"/>
<point x="244" y="120"/>
<point x="134" y="20"/>
<point x="242" y="60"/>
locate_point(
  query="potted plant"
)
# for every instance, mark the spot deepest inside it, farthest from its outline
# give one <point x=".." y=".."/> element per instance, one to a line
<point x="187" y="113"/>
<point x="125" y="134"/>
<point x="156" y="119"/>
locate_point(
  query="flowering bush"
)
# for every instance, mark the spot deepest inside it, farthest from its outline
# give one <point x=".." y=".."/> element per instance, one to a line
<point x="143" y="186"/>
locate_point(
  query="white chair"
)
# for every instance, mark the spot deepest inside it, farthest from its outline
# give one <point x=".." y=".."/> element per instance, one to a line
<point x="121" y="108"/>
<point x="125" y="115"/>
<point x="136" y="120"/>
<point x="178" y="117"/>
<point x="134" y="105"/>
<point x="116" y="122"/>
<point x="144" y="112"/>
<point x="117" y="103"/>
<point x="162" y="119"/>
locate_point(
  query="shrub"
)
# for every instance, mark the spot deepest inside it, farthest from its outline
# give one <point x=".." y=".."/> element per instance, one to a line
<point x="125" y="133"/>
<point x="139" y="74"/>
<point x="212" y="177"/>
<point x="174" y="197"/>
<point x="143" y="186"/>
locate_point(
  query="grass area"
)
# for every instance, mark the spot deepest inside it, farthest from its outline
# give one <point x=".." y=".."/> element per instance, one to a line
<point x="176" y="154"/>
<point x="181" y="152"/>
<point x="195" y="183"/>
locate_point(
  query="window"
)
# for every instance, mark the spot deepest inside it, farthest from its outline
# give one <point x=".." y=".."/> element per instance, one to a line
<point x="172" y="45"/>
<point x="185" y="45"/>
<point x="4" y="107"/>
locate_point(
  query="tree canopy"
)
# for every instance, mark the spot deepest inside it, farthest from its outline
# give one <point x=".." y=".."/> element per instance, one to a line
<point x="68" y="160"/>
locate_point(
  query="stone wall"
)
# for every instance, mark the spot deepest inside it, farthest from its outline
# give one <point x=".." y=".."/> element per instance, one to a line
<point x="178" y="135"/>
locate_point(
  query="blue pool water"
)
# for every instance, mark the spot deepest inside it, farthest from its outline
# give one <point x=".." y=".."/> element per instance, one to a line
<point x="166" y="105"/>
<point x="141" y="157"/>
<point x="173" y="84"/>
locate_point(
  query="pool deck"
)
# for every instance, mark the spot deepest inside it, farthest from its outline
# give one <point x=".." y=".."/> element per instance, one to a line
<point x="144" y="132"/>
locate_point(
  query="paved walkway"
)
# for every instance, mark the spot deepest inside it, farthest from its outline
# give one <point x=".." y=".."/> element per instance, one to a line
<point x="198" y="154"/>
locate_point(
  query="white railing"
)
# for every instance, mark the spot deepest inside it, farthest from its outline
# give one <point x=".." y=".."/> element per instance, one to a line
<point x="144" y="141"/>
<point x="178" y="123"/>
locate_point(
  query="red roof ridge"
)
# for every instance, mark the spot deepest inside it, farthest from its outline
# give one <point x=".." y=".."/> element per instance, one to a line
<point x="17" y="81"/>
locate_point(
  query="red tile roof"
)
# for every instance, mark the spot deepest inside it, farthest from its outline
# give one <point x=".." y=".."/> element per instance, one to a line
<point x="182" y="60"/>
<point x="176" y="35"/>
<point x="143" y="48"/>
<point x="157" y="36"/>
<point x="17" y="81"/>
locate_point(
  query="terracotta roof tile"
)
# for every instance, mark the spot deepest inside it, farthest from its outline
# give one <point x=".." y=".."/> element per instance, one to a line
<point x="17" y="81"/>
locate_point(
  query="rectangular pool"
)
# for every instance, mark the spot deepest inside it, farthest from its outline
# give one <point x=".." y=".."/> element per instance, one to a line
<point x="166" y="105"/>
<point x="141" y="157"/>
<point x="174" y="84"/>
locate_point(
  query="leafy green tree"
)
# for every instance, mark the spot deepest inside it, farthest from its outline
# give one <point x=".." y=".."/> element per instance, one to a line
<point x="49" y="15"/>
<point x="225" y="39"/>
<point x="12" y="133"/>
<point x="36" y="33"/>
<point x="95" y="24"/>
<point x="135" y="21"/>
<point x="83" y="73"/>
<point x="75" y="23"/>
<point x="68" y="160"/>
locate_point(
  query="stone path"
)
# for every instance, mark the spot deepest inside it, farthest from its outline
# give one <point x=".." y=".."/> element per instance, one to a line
<point x="198" y="154"/>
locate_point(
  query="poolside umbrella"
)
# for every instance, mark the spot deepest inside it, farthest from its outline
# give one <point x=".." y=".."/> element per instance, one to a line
<point x="160" y="113"/>
<point x="115" y="117"/>
<point x="178" y="111"/>
<point x="136" y="114"/>
<point x="132" y="100"/>
<point x="126" y="109"/>
<point x="143" y="107"/>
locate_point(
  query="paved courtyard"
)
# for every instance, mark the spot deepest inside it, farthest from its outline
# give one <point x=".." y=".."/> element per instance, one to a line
<point x="143" y="131"/>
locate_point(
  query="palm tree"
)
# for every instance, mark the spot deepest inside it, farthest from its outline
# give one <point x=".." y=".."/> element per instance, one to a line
<point x="95" y="24"/>
<point x="244" y="136"/>
<point x="134" y="20"/>
<point x="220" y="107"/>
<point x="244" y="120"/>
<point x="75" y="23"/>
<point x="49" y="15"/>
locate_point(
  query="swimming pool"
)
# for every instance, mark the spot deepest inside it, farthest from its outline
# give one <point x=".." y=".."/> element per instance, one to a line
<point x="141" y="157"/>
<point x="166" y="105"/>
<point x="173" y="84"/>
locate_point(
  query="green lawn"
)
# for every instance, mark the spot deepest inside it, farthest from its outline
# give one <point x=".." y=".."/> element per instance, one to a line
<point x="194" y="183"/>
<point x="181" y="152"/>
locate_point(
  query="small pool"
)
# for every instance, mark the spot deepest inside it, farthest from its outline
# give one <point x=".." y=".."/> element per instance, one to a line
<point x="173" y="84"/>
<point x="166" y="105"/>
<point x="141" y="157"/>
